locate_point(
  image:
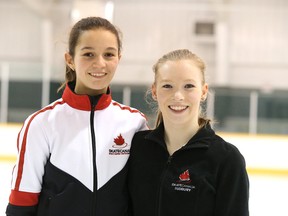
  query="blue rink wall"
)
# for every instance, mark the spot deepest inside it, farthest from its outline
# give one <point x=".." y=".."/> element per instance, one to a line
<point x="265" y="155"/>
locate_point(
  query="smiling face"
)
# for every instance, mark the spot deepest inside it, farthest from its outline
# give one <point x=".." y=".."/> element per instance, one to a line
<point x="178" y="89"/>
<point x="95" y="61"/>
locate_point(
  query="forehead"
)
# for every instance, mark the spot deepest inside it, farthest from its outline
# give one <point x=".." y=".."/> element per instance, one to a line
<point x="97" y="37"/>
<point x="178" y="70"/>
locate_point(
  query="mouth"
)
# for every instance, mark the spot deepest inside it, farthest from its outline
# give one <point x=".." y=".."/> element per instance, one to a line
<point x="178" y="108"/>
<point x="98" y="75"/>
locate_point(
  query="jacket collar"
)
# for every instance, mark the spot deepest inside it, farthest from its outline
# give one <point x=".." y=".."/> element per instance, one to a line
<point x="85" y="102"/>
<point x="202" y="139"/>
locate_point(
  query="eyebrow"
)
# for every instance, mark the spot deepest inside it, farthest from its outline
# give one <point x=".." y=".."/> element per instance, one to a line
<point x="165" y="80"/>
<point x="91" y="48"/>
<point x="187" y="80"/>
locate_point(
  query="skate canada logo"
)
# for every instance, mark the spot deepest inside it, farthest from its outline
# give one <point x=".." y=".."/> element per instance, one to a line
<point x="119" y="146"/>
<point x="185" y="177"/>
<point x="183" y="183"/>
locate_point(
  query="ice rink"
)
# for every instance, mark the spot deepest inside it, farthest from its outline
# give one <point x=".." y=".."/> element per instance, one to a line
<point x="266" y="158"/>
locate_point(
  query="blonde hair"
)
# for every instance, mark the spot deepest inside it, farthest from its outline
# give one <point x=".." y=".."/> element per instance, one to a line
<point x="182" y="54"/>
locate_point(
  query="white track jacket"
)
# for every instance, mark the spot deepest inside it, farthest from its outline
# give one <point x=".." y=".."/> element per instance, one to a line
<point x="72" y="157"/>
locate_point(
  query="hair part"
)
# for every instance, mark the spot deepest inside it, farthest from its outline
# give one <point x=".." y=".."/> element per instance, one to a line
<point x="86" y="24"/>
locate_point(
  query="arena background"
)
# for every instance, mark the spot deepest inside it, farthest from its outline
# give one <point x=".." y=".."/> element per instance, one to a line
<point x="243" y="42"/>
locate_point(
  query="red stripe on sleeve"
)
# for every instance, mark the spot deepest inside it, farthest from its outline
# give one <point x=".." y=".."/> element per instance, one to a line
<point x="129" y="109"/>
<point x="23" y="147"/>
<point x="20" y="198"/>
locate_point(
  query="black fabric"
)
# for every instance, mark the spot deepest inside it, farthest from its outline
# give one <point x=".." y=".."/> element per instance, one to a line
<point x="206" y="177"/>
<point x="13" y="210"/>
<point x="64" y="195"/>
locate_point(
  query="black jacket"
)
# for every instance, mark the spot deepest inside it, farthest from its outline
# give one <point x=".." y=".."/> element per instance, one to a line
<point x="205" y="177"/>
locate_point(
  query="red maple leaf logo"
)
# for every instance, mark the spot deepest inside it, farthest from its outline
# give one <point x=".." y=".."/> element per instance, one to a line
<point x="185" y="176"/>
<point x="119" y="140"/>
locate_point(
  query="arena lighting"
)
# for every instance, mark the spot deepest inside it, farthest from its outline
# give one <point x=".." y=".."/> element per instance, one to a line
<point x="75" y="15"/>
<point x="82" y="9"/>
<point x="109" y="10"/>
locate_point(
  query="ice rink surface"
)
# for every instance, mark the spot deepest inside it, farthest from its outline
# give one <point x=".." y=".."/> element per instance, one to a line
<point x="266" y="159"/>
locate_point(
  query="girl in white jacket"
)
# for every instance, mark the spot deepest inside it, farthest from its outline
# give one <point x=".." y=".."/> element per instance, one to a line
<point x="73" y="152"/>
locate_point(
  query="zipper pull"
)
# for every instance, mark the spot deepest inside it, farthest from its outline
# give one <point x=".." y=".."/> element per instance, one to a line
<point x="169" y="160"/>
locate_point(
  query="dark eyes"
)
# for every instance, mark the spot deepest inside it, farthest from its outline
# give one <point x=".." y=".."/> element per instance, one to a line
<point x="109" y="55"/>
<point x="106" y="55"/>
<point x="187" y="86"/>
<point x="167" y="86"/>
<point x="88" y="54"/>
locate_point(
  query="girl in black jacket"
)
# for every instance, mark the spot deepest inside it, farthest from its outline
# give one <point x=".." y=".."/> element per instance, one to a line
<point x="182" y="167"/>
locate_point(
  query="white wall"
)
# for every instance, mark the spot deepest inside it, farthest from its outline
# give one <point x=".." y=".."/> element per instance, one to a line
<point x="20" y="36"/>
<point x="256" y="40"/>
<point x="259" y="46"/>
<point x="251" y="50"/>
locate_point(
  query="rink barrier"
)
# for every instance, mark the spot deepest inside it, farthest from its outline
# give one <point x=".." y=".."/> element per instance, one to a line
<point x="267" y="172"/>
<point x="8" y="154"/>
<point x="251" y="170"/>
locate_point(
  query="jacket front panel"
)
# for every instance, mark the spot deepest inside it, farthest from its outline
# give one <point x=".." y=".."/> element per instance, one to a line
<point x="206" y="177"/>
<point x="71" y="145"/>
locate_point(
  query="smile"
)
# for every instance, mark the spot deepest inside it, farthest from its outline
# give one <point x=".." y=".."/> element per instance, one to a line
<point x="97" y="74"/>
<point x="178" y="108"/>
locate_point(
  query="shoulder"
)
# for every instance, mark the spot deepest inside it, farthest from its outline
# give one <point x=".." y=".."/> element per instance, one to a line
<point x="140" y="137"/>
<point x="225" y="150"/>
<point x="141" y="134"/>
<point x="44" y="113"/>
<point x="220" y="143"/>
<point x="50" y="107"/>
<point x="123" y="107"/>
<point x="126" y="109"/>
<point x="139" y="143"/>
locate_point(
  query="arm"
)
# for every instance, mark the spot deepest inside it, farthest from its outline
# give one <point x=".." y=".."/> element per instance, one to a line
<point x="233" y="186"/>
<point x="27" y="174"/>
<point x="13" y="210"/>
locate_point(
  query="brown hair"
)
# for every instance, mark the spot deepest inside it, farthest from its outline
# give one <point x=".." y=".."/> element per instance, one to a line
<point x="86" y="24"/>
<point x="182" y="54"/>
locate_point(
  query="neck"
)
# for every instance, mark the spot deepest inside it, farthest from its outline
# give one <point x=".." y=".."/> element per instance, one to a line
<point x="177" y="136"/>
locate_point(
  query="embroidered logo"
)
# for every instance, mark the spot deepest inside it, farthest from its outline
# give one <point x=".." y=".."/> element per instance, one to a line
<point x="184" y="177"/>
<point x="119" y="146"/>
<point x="183" y="182"/>
<point x="119" y="142"/>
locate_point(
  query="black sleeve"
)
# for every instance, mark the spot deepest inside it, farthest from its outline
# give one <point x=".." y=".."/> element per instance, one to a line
<point x="13" y="210"/>
<point x="233" y="186"/>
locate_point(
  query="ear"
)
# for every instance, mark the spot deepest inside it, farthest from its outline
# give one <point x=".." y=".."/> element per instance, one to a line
<point x="153" y="92"/>
<point x="204" y="92"/>
<point x="69" y="61"/>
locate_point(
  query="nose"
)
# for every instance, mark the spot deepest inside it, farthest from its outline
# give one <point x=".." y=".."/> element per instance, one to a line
<point x="178" y="95"/>
<point x="98" y="62"/>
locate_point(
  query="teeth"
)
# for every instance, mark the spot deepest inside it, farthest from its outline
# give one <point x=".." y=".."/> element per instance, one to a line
<point x="178" y="107"/>
<point x="97" y="74"/>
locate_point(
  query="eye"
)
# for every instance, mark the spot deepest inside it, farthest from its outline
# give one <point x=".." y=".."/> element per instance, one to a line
<point x="188" y="86"/>
<point x="109" y="54"/>
<point x="167" y="86"/>
<point x="89" y="54"/>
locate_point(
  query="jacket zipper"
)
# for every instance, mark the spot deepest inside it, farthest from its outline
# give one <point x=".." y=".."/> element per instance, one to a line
<point x="158" y="210"/>
<point x="94" y="197"/>
<point x="170" y="157"/>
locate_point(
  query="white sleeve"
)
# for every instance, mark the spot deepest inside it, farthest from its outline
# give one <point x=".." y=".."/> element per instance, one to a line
<point x="33" y="152"/>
